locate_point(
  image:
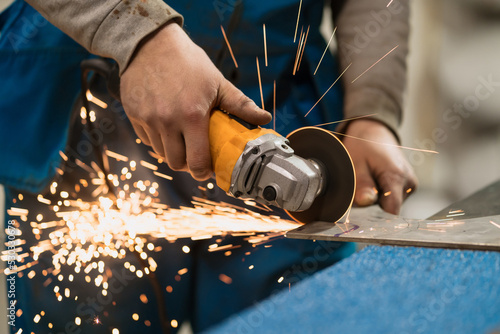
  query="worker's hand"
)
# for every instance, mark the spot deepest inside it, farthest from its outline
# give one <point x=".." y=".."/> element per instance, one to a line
<point x="168" y="92"/>
<point x="382" y="172"/>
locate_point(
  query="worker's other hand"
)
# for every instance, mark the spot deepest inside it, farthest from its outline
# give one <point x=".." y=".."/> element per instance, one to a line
<point x="382" y="172"/>
<point x="168" y="92"/>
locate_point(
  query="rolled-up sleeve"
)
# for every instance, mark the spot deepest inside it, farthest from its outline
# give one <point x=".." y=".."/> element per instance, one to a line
<point x="367" y="31"/>
<point x="111" y="29"/>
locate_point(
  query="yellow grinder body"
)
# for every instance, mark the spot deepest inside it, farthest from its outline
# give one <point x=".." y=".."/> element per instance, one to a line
<point x="228" y="138"/>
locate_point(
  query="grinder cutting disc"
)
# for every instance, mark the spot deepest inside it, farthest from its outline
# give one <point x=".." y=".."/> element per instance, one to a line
<point x="338" y="174"/>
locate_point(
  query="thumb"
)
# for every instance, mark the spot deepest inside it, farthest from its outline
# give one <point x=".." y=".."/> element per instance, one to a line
<point x="233" y="101"/>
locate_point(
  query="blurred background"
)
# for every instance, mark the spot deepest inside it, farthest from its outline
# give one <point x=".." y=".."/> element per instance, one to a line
<point x="452" y="103"/>
<point x="453" y="100"/>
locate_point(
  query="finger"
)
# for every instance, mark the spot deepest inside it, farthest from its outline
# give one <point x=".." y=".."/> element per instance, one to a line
<point x="141" y="133"/>
<point x="233" y="101"/>
<point x="199" y="162"/>
<point x="392" y="187"/>
<point x="366" y="191"/>
<point x="174" y="151"/>
<point x="156" y="143"/>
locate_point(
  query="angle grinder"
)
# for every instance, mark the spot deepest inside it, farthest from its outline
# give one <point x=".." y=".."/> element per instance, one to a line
<point x="309" y="174"/>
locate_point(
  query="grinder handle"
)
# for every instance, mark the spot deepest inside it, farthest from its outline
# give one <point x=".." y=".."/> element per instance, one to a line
<point x="228" y="137"/>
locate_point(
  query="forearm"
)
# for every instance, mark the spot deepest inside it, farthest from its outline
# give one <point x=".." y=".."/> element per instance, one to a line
<point x="367" y="30"/>
<point x="111" y="28"/>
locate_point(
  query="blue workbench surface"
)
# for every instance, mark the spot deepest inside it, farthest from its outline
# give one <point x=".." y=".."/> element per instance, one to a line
<point x="386" y="290"/>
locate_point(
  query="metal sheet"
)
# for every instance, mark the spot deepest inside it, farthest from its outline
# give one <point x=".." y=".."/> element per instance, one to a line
<point x="485" y="202"/>
<point x="450" y="228"/>
<point x="372" y="225"/>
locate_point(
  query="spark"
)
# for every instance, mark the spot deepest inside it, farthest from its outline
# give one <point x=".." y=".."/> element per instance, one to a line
<point x="260" y="82"/>
<point x="297" y="25"/>
<point x="455" y="211"/>
<point x="85" y="167"/>
<point x="389" y="3"/>
<point x="385" y="144"/>
<point x="83" y="113"/>
<point x="494" y="224"/>
<point x="299" y="48"/>
<point x="242" y="234"/>
<point x="265" y="41"/>
<point x="444" y="219"/>
<point x="455" y="214"/>
<point x="63" y="156"/>
<point x="95" y="100"/>
<point x="43" y="200"/>
<point x="387" y="193"/>
<point x="225" y="247"/>
<point x="346" y="120"/>
<point x="394" y="48"/>
<point x="164" y="176"/>
<point x="98" y="224"/>
<point x="116" y="156"/>
<point x="186" y="249"/>
<point x="445" y="224"/>
<point x="17" y="211"/>
<point x="148" y="165"/>
<point x="182" y="271"/>
<point x="92" y="116"/>
<point x="348" y="215"/>
<point x="201" y="237"/>
<point x="322" y="96"/>
<point x="409" y="190"/>
<point x="326" y="49"/>
<point x="432" y="230"/>
<point x="226" y="279"/>
<point x="280" y="279"/>
<point x="174" y="323"/>
<point x="135" y="316"/>
<point x="228" y="46"/>
<point x="156" y="156"/>
<point x="303" y="47"/>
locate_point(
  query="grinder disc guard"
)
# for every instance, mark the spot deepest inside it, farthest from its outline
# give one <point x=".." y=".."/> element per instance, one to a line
<point x="338" y="174"/>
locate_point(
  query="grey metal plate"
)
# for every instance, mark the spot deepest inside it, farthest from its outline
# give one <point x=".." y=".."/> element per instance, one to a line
<point x="372" y="225"/>
<point x="458" y="226"/>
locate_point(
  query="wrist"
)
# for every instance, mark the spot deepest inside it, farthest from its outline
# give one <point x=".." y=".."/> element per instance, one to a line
<point x="370" y="128"/>
<point x="164" y="38"/>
